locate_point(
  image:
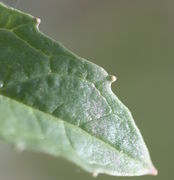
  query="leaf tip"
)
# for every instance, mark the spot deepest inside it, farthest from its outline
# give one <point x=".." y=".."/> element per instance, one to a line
<point x="112" y="78"/>
<point x="153" y="171"/>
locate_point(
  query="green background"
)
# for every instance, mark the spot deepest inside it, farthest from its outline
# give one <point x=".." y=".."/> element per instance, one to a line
<point x="132" y="39"/>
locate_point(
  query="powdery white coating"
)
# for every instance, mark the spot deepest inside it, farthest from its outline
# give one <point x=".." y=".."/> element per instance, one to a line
<point x="115" y="161"/>
<point x="117" y="133"/>
<point x="67" y="103"/>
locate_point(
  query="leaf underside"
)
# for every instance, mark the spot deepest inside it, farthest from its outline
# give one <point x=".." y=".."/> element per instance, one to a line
<point x="55" y="102"/>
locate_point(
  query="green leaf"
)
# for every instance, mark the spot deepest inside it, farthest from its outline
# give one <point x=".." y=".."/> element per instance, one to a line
<point x="55" y="102"/>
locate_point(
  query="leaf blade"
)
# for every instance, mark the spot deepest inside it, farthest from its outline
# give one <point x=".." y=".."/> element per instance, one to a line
<point x="41" y="74"/>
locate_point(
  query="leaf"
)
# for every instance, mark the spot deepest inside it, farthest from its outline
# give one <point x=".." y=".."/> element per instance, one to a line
<point x="55" y="102"/>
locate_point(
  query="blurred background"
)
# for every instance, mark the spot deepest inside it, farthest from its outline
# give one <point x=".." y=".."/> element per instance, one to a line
<point x="132" y="39"/>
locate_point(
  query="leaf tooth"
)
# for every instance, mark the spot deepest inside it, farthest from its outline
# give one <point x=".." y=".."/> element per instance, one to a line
<point x="20" y="146"/>
<point x="95" y="174"/>
<point x="1" y="85"/>
<point x="37" y="21"/>
<point x="111" y="78"/>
